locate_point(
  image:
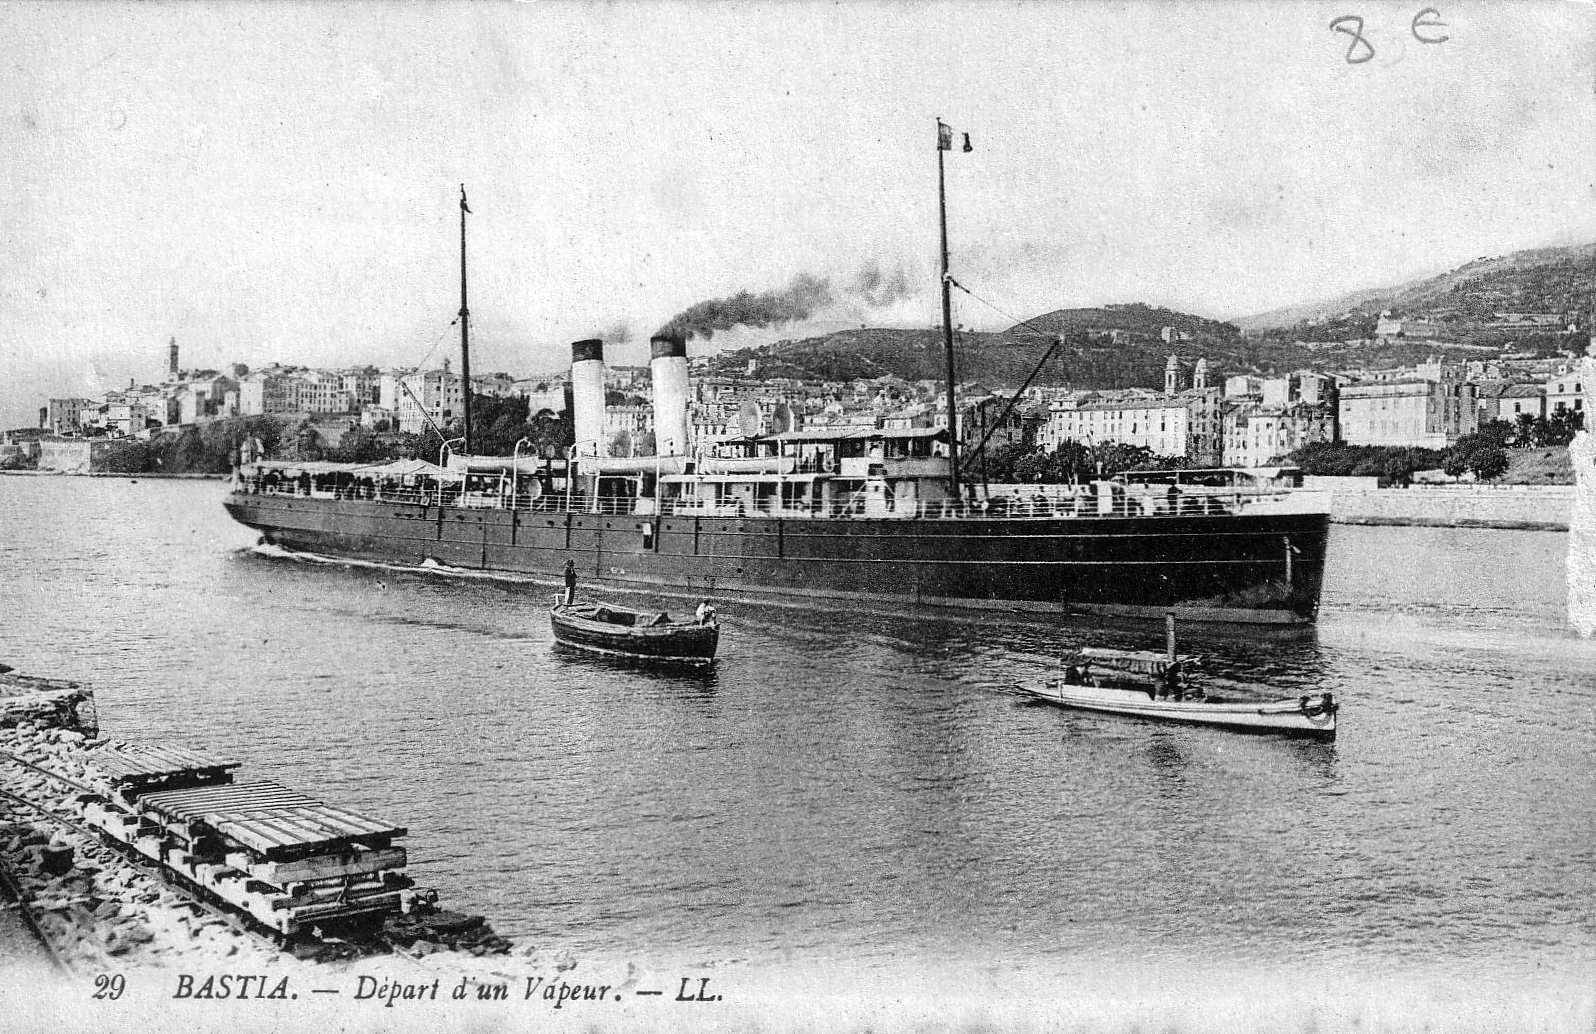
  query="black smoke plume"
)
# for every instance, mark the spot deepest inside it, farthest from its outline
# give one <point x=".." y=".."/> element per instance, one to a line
<point x="879" y="289"/>
<point x="871" y="286"/>
<point x="797" y="301"/>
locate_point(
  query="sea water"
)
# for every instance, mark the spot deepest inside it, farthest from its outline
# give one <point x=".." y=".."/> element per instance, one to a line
<point x="862" y="791"/>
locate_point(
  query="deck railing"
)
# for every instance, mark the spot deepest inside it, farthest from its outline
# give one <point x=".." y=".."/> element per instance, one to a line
<point x="1183" y="503"/>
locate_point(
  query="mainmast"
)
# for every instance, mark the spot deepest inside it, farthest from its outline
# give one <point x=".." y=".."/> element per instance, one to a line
<point x="945" y="143"/>
<point x="465" y="331"/>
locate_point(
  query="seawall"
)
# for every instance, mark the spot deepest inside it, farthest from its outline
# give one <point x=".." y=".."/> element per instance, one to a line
<point x="1517" y="507"/>
<point x="111" y="474"/>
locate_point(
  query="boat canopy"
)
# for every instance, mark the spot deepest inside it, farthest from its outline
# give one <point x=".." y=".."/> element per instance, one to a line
<point x="748" y="465"/>
<point x="494" y="464"/>
<point x="623" y="465"/>
<point x="1138" y="662"/>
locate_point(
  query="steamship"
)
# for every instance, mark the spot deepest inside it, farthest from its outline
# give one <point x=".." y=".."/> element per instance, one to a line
<point x="828" y="514"/>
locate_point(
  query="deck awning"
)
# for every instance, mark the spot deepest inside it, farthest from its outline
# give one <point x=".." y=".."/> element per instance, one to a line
<point x="304" y="466"/>
<point x="822" y="435"/>
<point x="405" y="468"/>
<point x="753" y="478"/>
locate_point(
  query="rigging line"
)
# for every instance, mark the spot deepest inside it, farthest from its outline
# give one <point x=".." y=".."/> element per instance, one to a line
<point x="437" y="340"/>
<point x="1058" y="340"/>
<point x="1054" y="347"/>
<point x="994" y="308"/>
<point x="419" y="405"/>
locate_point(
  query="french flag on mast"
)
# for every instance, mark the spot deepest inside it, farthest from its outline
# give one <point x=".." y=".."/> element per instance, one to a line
<point x="945" y="138"/>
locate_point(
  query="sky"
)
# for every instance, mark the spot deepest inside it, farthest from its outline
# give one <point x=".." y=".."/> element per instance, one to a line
<point x="280" y="182"/>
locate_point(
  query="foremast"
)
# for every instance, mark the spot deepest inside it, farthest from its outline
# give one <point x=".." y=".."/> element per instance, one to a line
<point x="945" y="143"/>
<point x="465" y="330"/>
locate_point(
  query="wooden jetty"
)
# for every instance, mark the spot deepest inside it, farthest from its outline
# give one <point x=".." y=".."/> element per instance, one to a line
<point x="283" y="858"/>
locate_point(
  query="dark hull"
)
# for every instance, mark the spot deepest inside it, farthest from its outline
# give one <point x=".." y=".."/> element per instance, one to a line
<point x="692" y="644"/>
<point x="1243" y="568"/>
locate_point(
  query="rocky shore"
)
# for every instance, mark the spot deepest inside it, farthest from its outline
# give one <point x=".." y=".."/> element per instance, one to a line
<point x="99" y="910"/>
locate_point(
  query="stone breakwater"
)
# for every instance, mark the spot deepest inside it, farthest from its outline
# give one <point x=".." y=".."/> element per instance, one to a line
<point x="1520" y="507"/>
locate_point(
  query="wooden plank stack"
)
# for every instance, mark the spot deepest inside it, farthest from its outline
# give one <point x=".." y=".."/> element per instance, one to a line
<point x="286" y="859"/>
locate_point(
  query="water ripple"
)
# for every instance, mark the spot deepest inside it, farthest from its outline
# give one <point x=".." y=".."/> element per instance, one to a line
<point x="869" y="790"/>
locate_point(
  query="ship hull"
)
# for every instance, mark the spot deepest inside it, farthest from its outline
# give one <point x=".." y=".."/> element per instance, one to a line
<point x="1265" y="568"/>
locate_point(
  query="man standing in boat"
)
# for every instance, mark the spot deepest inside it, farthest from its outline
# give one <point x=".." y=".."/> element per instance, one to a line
<point x="705" y="615"/>
<point x="570" y="582"/>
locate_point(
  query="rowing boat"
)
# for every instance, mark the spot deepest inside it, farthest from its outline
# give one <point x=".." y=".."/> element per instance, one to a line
<point x="645" y="635"/>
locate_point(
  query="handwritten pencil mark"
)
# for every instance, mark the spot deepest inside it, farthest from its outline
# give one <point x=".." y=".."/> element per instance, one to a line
<point x="1421" y="21"/>
<point x="1356" y="32"/>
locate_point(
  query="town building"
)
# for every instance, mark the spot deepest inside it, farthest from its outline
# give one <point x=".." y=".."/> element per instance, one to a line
<point x="1507" y="401"/>
<point x="205" y="398"/>
<point x="1261" y="436"/>
<point x="65" y="416"/>
<point x="322" y="391"/>
<point x="388" y="389"/>
<point x="363" y="384"/>
<point x="991" y="418"/>
<point x="1243" y="385"/>
<point x="428" y="398"/>
<point x="712" y="421"/>
<point x="1565" y="391"/>
<point x="631" y="421"/>
<point x="269" y="392"/>
<point x="495" y="385"/>
<point x="1389" y="326"/>
<point x="1430" y="410"/>
<point x="1187" y="425"/>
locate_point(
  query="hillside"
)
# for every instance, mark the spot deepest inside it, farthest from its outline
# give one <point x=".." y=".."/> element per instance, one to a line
<point x="1545" y="280"/>
<point x="1121" y="346"/>
<point x="1093" y="357"/>
<point x="1133" y="318"/>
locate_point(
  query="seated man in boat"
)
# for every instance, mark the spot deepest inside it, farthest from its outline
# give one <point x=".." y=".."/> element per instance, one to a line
<point x="705" y="614"/>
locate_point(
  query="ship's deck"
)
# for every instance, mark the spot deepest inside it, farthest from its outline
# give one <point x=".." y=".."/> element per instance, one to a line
<point x="1185" y="503"/>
